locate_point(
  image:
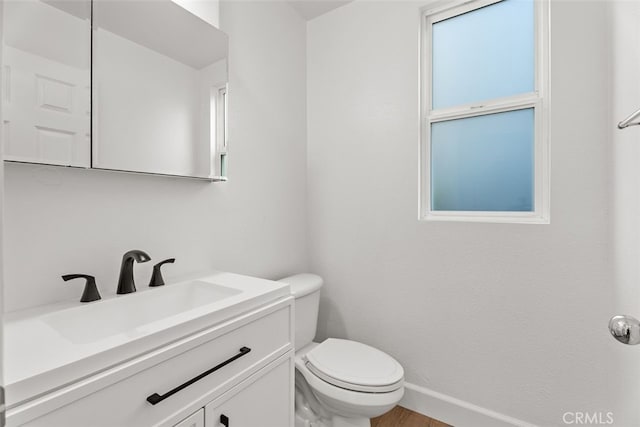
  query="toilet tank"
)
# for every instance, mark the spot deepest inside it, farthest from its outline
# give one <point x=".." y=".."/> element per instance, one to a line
<point x="305" y="288"/>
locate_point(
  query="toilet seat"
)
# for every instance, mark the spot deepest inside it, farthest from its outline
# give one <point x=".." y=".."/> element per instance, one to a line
<point x="354" y="366"/>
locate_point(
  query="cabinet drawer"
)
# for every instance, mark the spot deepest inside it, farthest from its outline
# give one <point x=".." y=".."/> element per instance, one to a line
<point x="125" y="402"/>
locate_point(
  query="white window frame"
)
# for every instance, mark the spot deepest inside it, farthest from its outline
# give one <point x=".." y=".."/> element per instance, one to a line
<point x="538" y="100"/>
<point x="220" y="117"/>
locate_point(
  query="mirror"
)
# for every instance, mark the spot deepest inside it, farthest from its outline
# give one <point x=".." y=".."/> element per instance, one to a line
<point x="159" y="79"/>
<point x="46" y="75"/>
<point x="140" y="87"/>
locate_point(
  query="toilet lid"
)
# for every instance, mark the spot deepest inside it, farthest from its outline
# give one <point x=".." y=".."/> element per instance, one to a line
<point x="355" y="366"/>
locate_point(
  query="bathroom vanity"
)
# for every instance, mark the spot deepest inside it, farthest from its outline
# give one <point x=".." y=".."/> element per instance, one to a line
<point x="209" y="351"/>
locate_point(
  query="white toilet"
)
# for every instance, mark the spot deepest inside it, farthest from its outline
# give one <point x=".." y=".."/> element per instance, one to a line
<point x="339" y="383"/>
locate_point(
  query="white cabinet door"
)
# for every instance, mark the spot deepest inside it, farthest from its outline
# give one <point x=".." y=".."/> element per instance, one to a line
<point x="263" y="400"/>
<point x="194" y="420"/>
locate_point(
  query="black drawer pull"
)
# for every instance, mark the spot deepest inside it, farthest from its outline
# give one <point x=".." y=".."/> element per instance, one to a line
<point x="155" y="398"/>
<point x="224" y="420"/>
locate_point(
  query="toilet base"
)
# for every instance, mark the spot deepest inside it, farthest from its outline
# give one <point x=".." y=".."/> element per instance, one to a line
<point x="310" y="413"/>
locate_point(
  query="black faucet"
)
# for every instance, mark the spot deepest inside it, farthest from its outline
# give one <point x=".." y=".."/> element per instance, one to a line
<point x="126" y="285"/>
<point x="156" y="277"/>
<point x="90" y="289"/>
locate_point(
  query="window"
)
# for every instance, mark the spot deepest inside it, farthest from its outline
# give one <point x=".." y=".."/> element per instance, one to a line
<point x="484" y="144"/>
<point x="222" y="130"/>
<point x="219" y="132"/>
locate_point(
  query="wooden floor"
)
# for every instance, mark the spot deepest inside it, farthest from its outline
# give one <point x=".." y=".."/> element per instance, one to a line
<point x="401" y="417"/>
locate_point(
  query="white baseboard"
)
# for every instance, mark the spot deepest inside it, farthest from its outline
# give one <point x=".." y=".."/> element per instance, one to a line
<point x="454" y="411"/>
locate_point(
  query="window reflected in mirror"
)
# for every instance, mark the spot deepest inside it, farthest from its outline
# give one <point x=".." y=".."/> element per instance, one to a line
<point x="159" y="90"/>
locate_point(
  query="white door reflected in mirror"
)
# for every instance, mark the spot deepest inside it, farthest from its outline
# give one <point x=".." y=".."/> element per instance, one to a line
<point x="46" y="82"/>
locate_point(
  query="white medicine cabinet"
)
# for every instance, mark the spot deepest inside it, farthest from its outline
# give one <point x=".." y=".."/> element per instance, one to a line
<point x="132" y="86"/>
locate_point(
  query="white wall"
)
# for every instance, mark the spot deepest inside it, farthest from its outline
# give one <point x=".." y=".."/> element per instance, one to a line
<point x="625" y="99"/>
<point x="166" y="132"/>
<point x="511" y="318"/>
<point x="74" y="221"/>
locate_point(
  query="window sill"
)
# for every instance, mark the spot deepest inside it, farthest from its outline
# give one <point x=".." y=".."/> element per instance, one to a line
<point x="487" y="217"/>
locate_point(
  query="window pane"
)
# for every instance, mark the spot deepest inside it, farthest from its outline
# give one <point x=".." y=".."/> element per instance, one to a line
<point x="484" y="54"/>
<point x="483" y="163"/>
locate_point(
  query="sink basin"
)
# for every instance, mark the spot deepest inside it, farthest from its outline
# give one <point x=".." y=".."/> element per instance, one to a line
<point x="129" y="314"/>
<point x="62" y="343"/>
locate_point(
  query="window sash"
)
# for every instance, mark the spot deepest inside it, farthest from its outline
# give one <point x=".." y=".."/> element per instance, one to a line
<point x="537" y="100"/>
<point x="221" y="138"/>
<point x="538" y="170"/>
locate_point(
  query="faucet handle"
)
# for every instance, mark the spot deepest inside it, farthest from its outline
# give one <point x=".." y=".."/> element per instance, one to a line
<point x="90" y="289"/>
<point x="156" y="277"/>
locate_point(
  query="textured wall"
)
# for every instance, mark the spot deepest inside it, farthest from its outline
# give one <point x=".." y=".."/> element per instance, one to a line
<point x="505" y="316"/>
<point x="74" y="221"/>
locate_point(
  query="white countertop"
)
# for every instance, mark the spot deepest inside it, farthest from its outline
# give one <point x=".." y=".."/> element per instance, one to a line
<point x="39" y="358"/>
